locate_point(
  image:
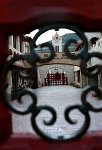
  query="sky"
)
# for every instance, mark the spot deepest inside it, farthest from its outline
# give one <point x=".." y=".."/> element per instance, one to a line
<point x="47" y="36"/>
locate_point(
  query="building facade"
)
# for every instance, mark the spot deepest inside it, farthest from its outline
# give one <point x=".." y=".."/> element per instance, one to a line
<point x="18" y="45"/>
<point x="59" y="71"/>
<point x="95" y="46"/>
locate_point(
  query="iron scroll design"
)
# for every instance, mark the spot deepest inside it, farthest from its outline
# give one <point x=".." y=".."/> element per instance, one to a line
<point x="32" y="58"/>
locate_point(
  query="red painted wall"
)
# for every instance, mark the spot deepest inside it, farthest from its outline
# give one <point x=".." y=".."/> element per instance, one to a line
<point x="29" y="142"/>
<point x="5" y="115"/>
<point x="24" y="16"/>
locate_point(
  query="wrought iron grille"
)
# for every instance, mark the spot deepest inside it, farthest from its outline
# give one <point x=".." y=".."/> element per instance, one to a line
<point x="32" y="58"/>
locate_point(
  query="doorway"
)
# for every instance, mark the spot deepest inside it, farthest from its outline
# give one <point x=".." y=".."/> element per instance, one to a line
<point x="56" y="76"/>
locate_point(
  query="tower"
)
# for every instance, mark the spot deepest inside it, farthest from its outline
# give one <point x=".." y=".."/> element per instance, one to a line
<point x="57" y="42"/>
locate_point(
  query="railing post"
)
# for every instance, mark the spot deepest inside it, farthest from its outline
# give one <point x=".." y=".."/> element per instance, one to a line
<point x="5" y="115"/>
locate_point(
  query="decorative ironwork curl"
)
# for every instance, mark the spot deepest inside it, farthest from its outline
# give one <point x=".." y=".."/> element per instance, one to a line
<point x="86" y="124"/>
<point x="11" y="62"/>
<point x="50" y="57"/>
<point x="96" y="68"/>
<point x="51" y="122"/>
<point x="84" y="95"/>
<point x="83" y="54"/>
<point x="32" y="58"/>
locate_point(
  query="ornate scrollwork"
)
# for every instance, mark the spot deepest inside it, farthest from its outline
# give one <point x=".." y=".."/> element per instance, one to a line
<point x="84" y="62"/>
<point x="84" y="95"/>
<point x="32" y="58"/>
<point x="86" y="124"/>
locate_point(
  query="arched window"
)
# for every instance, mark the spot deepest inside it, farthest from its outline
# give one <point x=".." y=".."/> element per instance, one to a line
<point x="56" y="48"/>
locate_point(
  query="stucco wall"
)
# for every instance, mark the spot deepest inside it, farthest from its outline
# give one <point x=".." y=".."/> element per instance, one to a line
<point x="68" y="69"/>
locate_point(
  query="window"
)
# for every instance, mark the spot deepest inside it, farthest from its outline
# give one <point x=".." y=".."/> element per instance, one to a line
<point x="56" y="48"/>
<point x="78" y="75"/>
<point x="14" y="41"/>
<point x="45" y="55"/>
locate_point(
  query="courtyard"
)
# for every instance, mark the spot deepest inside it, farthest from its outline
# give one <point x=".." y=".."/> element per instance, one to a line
<point x="59" y="98"/>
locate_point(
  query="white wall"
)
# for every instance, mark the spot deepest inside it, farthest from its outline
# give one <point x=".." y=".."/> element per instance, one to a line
<point x="76" y="68"/>
<point x="57" y="42"/>
<point x="10" y="45"/>
<point x="90" y="35"/>
<point x="18" y="43"/>
<point x="96" y="48"/>
<point x="11" y="40"/>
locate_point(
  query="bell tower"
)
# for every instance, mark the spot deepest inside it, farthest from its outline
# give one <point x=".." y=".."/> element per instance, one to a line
<point x="57" y="42"/>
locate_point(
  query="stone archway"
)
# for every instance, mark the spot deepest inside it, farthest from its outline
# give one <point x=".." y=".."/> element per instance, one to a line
<point x="56" y="76"/>
<point x="43" y="70"/>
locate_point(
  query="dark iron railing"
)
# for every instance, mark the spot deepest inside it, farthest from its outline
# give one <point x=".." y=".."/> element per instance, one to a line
<point x="32" y="58"/>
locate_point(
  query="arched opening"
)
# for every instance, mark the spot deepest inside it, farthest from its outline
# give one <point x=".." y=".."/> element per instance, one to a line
<point x="56" y="76"/>
<point x="93" y="41"/>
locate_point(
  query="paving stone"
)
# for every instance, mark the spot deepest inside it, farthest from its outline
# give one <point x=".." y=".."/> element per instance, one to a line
<point x="58" y="97"/>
